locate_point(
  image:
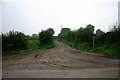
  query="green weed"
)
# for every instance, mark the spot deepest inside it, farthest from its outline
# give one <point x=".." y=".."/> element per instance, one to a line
<point x="33" y="46"/>
<point x="107" y="50"/>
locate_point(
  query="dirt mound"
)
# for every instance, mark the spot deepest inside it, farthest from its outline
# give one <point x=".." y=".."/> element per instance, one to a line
<point x="53" y="57"/>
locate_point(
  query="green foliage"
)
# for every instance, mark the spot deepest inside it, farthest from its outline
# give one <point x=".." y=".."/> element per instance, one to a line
<point x="90" y="28"/>
<point x="85" y="46"/>
<point x="84" y="35"/>
<point x="48" y="46"/>
<point x="80" y="35"/>
<point x="25" y="52"/>
<point x="109" y="43"/>
<point x="14" y="41"/>
<point x="79" y="39"/>
<point x="17" y="40"/>
<point x="105" y="43"/>
<point x="45" y="38"/>
<point x="34" y="37"/>
<point x="52" y="31"/>
<point x="33" y="44"/>
<point x="112" y="51"/>
<point x="108" y="38"/>
<point x="99" y="32"/>
<point x="64" y="30"/>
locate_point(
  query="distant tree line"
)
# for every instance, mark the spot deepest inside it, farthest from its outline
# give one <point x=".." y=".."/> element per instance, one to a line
<point x="86" y="35"/>
<point x="80" y="35"/>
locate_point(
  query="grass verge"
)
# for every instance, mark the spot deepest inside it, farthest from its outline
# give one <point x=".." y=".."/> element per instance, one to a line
<point x="107" y="50"/>
<point x="32" y="47"/>
<point x="25" y="52"/>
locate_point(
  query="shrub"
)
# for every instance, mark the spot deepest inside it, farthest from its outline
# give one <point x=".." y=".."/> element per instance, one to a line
<point x="46" y="38"/>
<point x="34" y="37"/>
<point x="14" y="40"/>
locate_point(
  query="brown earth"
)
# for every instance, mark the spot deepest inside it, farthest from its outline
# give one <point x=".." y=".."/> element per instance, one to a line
<point x="60" y="62"/>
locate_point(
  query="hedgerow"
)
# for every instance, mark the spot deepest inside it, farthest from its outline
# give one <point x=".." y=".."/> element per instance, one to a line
<point x="14" y="40"/>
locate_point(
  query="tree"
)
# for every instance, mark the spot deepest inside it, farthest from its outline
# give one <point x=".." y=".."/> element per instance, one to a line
<point x="109" y="38"/>
<point x="28" y="36"/>
<point x="99" y="32"/>
<point x="65" y="30"/>
<point x="80" y="35"/>
<point x="34" y="36"/>
<point x="50" y="29"/>
<point x="46" y="37"/>
<point x="90" y="27"/>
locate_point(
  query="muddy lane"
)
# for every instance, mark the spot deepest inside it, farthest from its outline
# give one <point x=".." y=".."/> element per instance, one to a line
<point x="60" y="62"/>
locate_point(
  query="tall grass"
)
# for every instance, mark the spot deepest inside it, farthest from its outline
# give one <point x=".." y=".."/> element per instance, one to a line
<point x="33" y="46"/>
<point x="106" y="50"/>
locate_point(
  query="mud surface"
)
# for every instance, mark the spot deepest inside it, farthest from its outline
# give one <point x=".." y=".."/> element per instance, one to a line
<point x="60" y="62"/>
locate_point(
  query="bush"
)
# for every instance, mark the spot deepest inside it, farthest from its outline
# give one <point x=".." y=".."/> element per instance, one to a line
<point x="33" y="37"/>
<point x="14" y="40"/>
<point x="33" y="44"/>
<point x="46" y="37"/>
<point x="109" y="38"/>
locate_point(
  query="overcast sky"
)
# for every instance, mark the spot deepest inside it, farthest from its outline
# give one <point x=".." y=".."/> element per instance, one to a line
<point x="32" y="16"/>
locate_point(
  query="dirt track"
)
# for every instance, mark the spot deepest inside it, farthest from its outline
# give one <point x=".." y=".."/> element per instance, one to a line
<point x="60" y="61"/>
